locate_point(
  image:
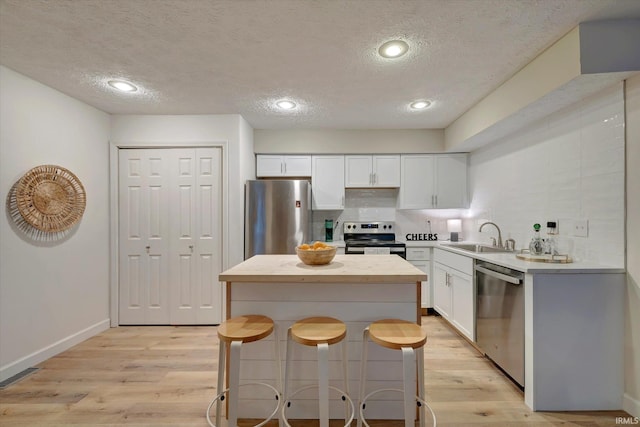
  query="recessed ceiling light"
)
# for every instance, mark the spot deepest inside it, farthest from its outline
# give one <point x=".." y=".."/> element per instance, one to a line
<point x="420" y="105"/>
<point x="286" y="105"/>
<point x="393" y="49"/>
<point x="122" y="86"/>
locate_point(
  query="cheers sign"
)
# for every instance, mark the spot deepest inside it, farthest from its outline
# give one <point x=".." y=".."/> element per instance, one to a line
<point x="421" y="237"/>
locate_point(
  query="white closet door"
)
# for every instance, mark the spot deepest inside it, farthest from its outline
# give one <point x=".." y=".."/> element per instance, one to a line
<point x="144" y="237"/>
<point x="170" y="236"/>
<point x="196" y="293"/>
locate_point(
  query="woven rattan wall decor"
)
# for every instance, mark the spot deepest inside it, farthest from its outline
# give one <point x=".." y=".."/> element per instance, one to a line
<point x="47" y="201"/>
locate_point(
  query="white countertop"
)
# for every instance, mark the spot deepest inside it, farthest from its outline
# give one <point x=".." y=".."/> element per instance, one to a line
<point x="508" y="259"/>
<point x="343" y="269"/>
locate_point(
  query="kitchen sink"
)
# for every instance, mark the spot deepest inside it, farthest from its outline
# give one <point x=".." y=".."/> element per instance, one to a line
<point x="475" y="247"/>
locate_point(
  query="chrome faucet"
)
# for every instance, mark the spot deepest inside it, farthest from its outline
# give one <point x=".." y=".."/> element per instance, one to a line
<point x="497" y="228"/>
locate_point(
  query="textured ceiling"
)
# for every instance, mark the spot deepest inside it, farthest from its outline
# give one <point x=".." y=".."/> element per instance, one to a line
<point x="239" y="56"/>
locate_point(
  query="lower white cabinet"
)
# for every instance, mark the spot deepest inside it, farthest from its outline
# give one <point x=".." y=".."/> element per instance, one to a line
<point x="420" y="257"/>
<point x="453" y="290"/>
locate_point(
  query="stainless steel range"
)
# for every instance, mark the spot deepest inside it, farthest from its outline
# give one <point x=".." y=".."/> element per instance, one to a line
<point x="363" y="238"/>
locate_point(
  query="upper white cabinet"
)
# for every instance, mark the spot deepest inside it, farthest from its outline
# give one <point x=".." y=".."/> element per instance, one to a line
<point x="327" y="182"/>
<point x="279" y="165"/>
<point x="434" y="181"/>
<point x="372" y="171"/>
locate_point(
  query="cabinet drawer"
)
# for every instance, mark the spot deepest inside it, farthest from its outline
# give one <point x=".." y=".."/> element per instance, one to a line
<point x="459" y="262"/>
<point x="418" y="254"/>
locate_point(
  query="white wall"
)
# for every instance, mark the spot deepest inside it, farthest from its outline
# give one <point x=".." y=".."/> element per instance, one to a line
<point x="56" y="294"/>
<point x="632" y="309"/>
<point x="232" y="129"/>
<point x="566" y="167"/>
<point x="330" y="141"/>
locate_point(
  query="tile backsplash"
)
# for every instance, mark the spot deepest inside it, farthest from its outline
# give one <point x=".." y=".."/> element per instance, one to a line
<point x="363" y="204"/>
<point x="566" y="167"/>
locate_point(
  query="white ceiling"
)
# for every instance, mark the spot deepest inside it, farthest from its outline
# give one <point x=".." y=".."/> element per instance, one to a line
<point x="239" y="56"/>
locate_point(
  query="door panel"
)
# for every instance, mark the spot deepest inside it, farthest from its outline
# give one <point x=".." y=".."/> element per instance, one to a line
<point x="197" y="238"/>
<point x="143" y="236"/>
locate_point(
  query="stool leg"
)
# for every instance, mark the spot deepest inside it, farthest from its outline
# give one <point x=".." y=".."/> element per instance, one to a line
<point x="323" y="383"/>
<point x="409" y="383"/>
<point x="420" y="357"/>
<point x="287" y="371"/>
<point x="363" y="370"/>
<point x="345" y="373"/>
<point x="221" y="368"/>
<point x="234" y="382"/>
<point x="278" y="361"/>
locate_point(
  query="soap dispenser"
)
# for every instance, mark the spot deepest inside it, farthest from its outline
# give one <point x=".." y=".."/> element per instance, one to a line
<point x="536" y="247"/>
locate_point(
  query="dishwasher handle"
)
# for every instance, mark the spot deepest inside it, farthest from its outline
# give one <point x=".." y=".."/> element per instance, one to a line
<point x="497" y="275"/>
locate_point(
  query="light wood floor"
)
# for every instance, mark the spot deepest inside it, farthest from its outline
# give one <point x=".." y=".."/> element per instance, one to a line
<point x="165" y="376"/>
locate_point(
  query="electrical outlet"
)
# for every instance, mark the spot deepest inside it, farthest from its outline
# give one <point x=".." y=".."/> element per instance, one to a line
<point x="581" y="228"/>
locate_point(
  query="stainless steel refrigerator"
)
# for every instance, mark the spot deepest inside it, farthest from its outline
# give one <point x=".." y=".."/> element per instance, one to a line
<point x="277" y="216"/>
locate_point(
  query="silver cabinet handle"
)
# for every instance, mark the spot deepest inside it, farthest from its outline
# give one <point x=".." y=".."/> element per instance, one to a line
<point x="285" y="168"/>
<point x="375" y="178"/>
<point x="147" y="248"/>
<point x="191" y="248"/>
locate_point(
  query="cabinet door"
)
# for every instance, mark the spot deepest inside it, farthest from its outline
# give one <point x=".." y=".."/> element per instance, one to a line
<point x="424" y="293"/>
<point x="463" y="303"/>
<point x="358" y="171"/>
<point x="267" y="165"/>
<point x="297" y="166"/>
<point x="327" y="182"/>
<point x="417" y="185"/>
<point x="441" y="290"/>
<point x="451" y="181"/>
<point x="386" y="171"/>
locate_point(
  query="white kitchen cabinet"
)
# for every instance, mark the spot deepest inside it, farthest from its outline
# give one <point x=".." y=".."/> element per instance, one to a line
<point x="433" y="181"/>
<point x="420" y="257"/>
<point x="327" y="182"/>
<point x="372" y="171"/>
<point x="282" y="165"/>
<point x="441" y="291"/>
<point x="453" y="295"/>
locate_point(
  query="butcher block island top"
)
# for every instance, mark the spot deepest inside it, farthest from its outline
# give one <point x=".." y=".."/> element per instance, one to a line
<point x="343" y="268"/>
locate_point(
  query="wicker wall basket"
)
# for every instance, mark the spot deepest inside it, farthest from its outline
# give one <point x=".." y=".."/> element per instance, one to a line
<point x="50" y="198"/>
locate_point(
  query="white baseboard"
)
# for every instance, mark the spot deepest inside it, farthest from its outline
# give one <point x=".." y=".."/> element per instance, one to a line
<point x="45" y="353"/>
<point x="631" y="405"/>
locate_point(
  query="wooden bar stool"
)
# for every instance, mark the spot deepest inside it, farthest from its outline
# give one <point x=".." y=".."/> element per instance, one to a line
<point x="232" y="334"/>
<point x="319" y="332"/>
<point x="410" y="339"/>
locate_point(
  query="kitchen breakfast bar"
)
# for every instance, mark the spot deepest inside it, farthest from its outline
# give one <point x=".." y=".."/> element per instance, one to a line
<point x="354" y="289"/>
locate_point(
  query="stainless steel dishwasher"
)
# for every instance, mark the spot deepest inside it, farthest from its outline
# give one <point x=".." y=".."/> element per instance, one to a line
<point x="500" y="317"/>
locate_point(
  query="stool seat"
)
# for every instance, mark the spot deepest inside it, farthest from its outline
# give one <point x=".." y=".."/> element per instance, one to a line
<point x="247" y="328"/>
<point x="395" y="334"/>
<point x="318" y="330"/>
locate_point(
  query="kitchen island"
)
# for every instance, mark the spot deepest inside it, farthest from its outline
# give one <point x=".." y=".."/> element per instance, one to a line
<point x="354" y="289"/>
